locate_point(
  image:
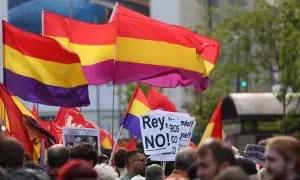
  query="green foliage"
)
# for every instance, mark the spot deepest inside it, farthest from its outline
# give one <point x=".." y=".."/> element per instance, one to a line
<point x="254" y="43"/>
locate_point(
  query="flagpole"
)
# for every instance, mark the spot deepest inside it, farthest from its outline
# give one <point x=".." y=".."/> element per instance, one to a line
<point x="113" y="112"/>
<point x="115" y="145"/>
<point x="79" y="113"/>
<point x="98" y="104"/>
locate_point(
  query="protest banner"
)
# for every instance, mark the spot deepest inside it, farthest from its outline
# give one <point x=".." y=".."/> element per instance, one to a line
<point x="175" y="136"/>
<point x="155" y="133"/>
<point x="255" y="153"/>
<point x="73" y="136"/>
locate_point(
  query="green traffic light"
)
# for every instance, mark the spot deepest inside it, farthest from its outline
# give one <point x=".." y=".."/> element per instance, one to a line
<point x="244" y="83"/>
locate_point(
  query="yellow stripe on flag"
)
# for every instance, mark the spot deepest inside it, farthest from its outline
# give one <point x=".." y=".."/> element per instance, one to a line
<point x="138" y="108"/>
<point x="32" y="67"/>
<point x="161" y="54"/>
<point x="207" y="133"/>
<point x="89" y="54"/>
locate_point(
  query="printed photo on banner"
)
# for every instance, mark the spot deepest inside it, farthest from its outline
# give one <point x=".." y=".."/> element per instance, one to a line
<point x="73" y="136"/>
<point x="155" y="134"/>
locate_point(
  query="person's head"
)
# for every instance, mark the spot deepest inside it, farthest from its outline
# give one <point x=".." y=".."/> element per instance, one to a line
<point x="282" y="157"/>
<point x="103" y="159"/>
<point x="135" y="162"/>
<point x="84" y="151"/>
<point x="92" y="140"/>
<point x="11" y="154"/>
<point x="232" y="173"/>
<point x="58" y="155"/>
<point x="106" y="172"/>
<point x="155" y="172"/>
<point x="77" y="169"/>
<point x="120" y="158"/>
<point x="248" y="166"/>
<point x="77" y="140"/>
<point x="214" y="156"/>
<point x="185" y="158"/>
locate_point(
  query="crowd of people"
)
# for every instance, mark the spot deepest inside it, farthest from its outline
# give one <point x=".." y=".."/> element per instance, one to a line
<point x="213" y="160"/>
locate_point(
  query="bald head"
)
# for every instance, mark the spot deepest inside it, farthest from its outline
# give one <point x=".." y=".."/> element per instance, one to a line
<point x="185" y="158"/>
<point x="58" y="155"/>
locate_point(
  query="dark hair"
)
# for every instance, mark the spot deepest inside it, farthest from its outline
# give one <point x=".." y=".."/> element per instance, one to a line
<point x="130" y="155"/>
<point x="120" y="158"/>
<point x="77" y="169"/>
<point x="85" y="152"/>
<point x="220" y="152"/>
<point x="247" y="165"/>
<point x="102" y="159"/>
<point x="58" y="155"/>
<point x="11" y="154"/>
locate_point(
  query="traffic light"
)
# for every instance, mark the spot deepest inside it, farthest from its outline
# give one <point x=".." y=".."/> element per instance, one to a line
<point x="244" y="83"/>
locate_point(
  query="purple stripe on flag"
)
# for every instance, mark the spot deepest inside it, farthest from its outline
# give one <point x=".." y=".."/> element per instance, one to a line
<point x="132" y="124"/>
<point x="99" y="73"/>
<point x="159" y="76"/>
<point x="34" y="91"/>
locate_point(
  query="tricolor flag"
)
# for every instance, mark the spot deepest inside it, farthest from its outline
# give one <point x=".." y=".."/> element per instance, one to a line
<point x="38" y="69"/>
<point x="214" y="127"/>
<point x="94" y="43"/>
<point x="164" y="53"/>
<point x="21" y="124"/>
<point x="138" y="106"/>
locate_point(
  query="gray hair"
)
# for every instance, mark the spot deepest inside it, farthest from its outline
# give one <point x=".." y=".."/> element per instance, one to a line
<point x="154" y="172"/>
<point x="185" y="158"/>
<point x="106" y="172"/>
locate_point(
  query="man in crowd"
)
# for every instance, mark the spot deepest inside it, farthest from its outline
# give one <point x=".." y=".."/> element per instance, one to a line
<point x="214" y="156"/>
<point x="282" y="158"/>
<point x="154" y="171"/>
<point x="85" y="151"/>
<point x="135" y="164"/>
<point x="12" y="158"/>
<point x="120" y="161"/>
<point x="57" y="156"/>
<point x="184" y="159"/>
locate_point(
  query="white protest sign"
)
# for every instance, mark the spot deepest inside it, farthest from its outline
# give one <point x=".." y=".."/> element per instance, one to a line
<point x="73" y="136"/>
<point x="175" y="135"/>
<point x="155" y="133"/>
<point x="187" y="125"/>
<point x="255" y="152"/>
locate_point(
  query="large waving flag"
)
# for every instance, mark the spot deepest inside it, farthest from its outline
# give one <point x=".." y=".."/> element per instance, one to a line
<point x="158" y="100"/>
<point x="138" y="106"/>
<point x="159" y="59"/>
<point x="214" y="127"/>
<point x="20" y="123"/>
<point x="40" y="70"/>
<point x="173" y="42"/>
<point x="94" y="43"/>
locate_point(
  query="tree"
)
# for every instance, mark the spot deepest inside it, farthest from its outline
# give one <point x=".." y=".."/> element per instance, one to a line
<point x="255" y="44"/>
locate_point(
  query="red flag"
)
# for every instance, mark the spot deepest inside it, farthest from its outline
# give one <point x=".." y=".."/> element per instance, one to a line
<point x="192" y="145"/>
<point x="72" y="117"/>
<point x="158" y="100"/>
<point x="45" y="124"/>
<point x="56" y="132"/>
<point x="131" y="144"/>
<point x="13" y="120"/>
<point x="214" y="127"/>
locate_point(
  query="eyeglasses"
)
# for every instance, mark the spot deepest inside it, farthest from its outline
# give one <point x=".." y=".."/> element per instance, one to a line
<point x="141" y="160"/>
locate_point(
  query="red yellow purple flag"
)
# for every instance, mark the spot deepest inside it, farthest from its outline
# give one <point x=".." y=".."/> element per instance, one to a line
<point x="160" y="59"/>
<point x="94" y="44"/>
<point x="38" y="69"/>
